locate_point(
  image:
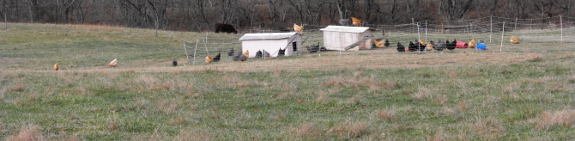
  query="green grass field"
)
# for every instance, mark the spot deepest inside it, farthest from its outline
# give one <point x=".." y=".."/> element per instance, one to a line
<point x="522" y="93"/>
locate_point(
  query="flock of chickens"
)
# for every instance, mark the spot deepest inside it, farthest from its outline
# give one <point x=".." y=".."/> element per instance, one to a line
<point x="439" y="46"/>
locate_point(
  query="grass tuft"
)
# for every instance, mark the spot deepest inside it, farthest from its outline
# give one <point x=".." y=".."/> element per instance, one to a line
<point x="305" y="130"/>
<point x="31" y="133"/>
<point x="349" y="130"/>
<point x="17" y="88"/>
<point x="549" y="119"/>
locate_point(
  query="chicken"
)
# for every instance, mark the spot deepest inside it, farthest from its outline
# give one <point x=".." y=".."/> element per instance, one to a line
<point x="243" y="58"/>
<point x="297" y="28"/>
<point x="56" y="67"/>
<point x="440" y="46"/>
<point x="429" y="47"/>
<point x="421" y="41"/>
<point x="174" y="62"/>
<point x="259" y="54"/>
<point x="355" y="21"/>
<point x="386" y="43"/>
<point x="217" y="58"/>
<point x="237" y="56"/>
<point x="231" y="52"/>
<point x="400" y="48"/>
<point x="281" y="52"/>
<point x="411" y="46"/>
<point x="419" y="45"/>
<point x="481" y="41"/>
<point x="379" y="44"/>
<point x="246" y="53"/>
<point x="450" y="46"/>
<point x="209" y="59"/>
<point x="113" y="63"/>
<point x="344" y="22"/>
<point x="513" y="40"/>
<point x="266" y="54"/>
<point x="471" y="43"/>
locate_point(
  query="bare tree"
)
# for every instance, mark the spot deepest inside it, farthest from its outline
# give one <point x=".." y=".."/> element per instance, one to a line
<point x="454" y="10"/>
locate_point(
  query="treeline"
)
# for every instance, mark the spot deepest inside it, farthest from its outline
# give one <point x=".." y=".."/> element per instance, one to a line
<point x="200" y="15"/>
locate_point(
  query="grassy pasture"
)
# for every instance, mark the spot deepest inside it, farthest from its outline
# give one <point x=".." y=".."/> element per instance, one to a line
<point x="522" y="93"/>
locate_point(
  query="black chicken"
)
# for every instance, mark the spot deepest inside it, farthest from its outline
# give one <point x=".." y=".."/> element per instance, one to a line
<point x="243" y="57"/>
<point x="174" y="63"/>
<point x="386" y="43"/>
<point x="400" y="48"/>
<point x="259" y="54"/>
<point x="451" y="46"/>
<point x="217" y="58"/>
<point x="231" y="52"/>
<point x="237" y="56"/>
<point x="411" y="46"/>
<point x="281" y="52"/>
<point x="419" y="46"/>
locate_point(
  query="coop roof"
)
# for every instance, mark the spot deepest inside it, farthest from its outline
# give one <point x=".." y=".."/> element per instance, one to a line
<point x="349" y="29"/>
<point x="267" y="36"/>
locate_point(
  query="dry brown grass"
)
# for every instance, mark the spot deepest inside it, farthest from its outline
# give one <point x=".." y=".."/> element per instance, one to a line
<point x="422" y="93"/>
<point x="388" y="115"/>
<point x="31" y="133"/>
<point x="17" y="88"/>
<point x="350" y="130"/>
<point x="305" y="130"/>
<point x="491" y="128"/>
<point x="549" y="119"/>
<point x="438" y="136"/>
<point x="462" y="106"/>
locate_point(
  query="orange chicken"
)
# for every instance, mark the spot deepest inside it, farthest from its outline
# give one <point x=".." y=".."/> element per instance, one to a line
<point x="355" y="21"/>
<point x="246" y="53"/>
<point x="209" y="59"/>
<point x="56" y="66"/>
<point x="113" y="63"/>
<point x="472" y="43"/>
<point x="513" y="40"/>
<point x="379" y="44"/>
<point x="297" y="28"/>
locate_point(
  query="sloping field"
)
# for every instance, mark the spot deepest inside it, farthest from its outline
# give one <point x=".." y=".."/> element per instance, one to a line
<point x="509" y="92"/>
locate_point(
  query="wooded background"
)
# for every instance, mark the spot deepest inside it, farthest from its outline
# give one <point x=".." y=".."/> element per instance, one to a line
<point x="200" y="15"/>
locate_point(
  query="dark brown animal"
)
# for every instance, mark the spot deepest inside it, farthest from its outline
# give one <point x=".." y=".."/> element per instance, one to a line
<point x="220" y="27"/>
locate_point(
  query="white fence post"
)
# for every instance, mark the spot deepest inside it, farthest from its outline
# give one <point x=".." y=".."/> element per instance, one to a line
<point x="561" y="22"/>
<point x="503" y="32"/>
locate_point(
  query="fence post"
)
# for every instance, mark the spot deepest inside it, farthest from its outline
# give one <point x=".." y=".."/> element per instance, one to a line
<point x="5" y="22"/>
<point x="195" y="50"/>
<point x="412" y="24"/>
<point x="561" y="22"/>
<point x="515" y="28"/>
<point x="425" y="30"/>
<point x="502" y="32"/>
<point x="491" y="34"/>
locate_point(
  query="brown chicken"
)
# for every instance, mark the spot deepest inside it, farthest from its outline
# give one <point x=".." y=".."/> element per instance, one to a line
<point x="113" y="63"/>
<point x="297" y="28"/>
<point x="421" y="41"/>
<point x="56" y="66"/>
<point x="513" y="40"/>
<point x="379" y="44"/>
<point x="472" y="43"/>
<point x="246" y="53"/>
<point x="429" y="47"/>
<point x="209" y="59"/>
<point x="355" y="21"/>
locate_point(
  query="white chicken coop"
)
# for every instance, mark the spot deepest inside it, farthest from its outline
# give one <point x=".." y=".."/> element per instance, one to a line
<point x="346" y="37"/>
<point x="272" y="43"/>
